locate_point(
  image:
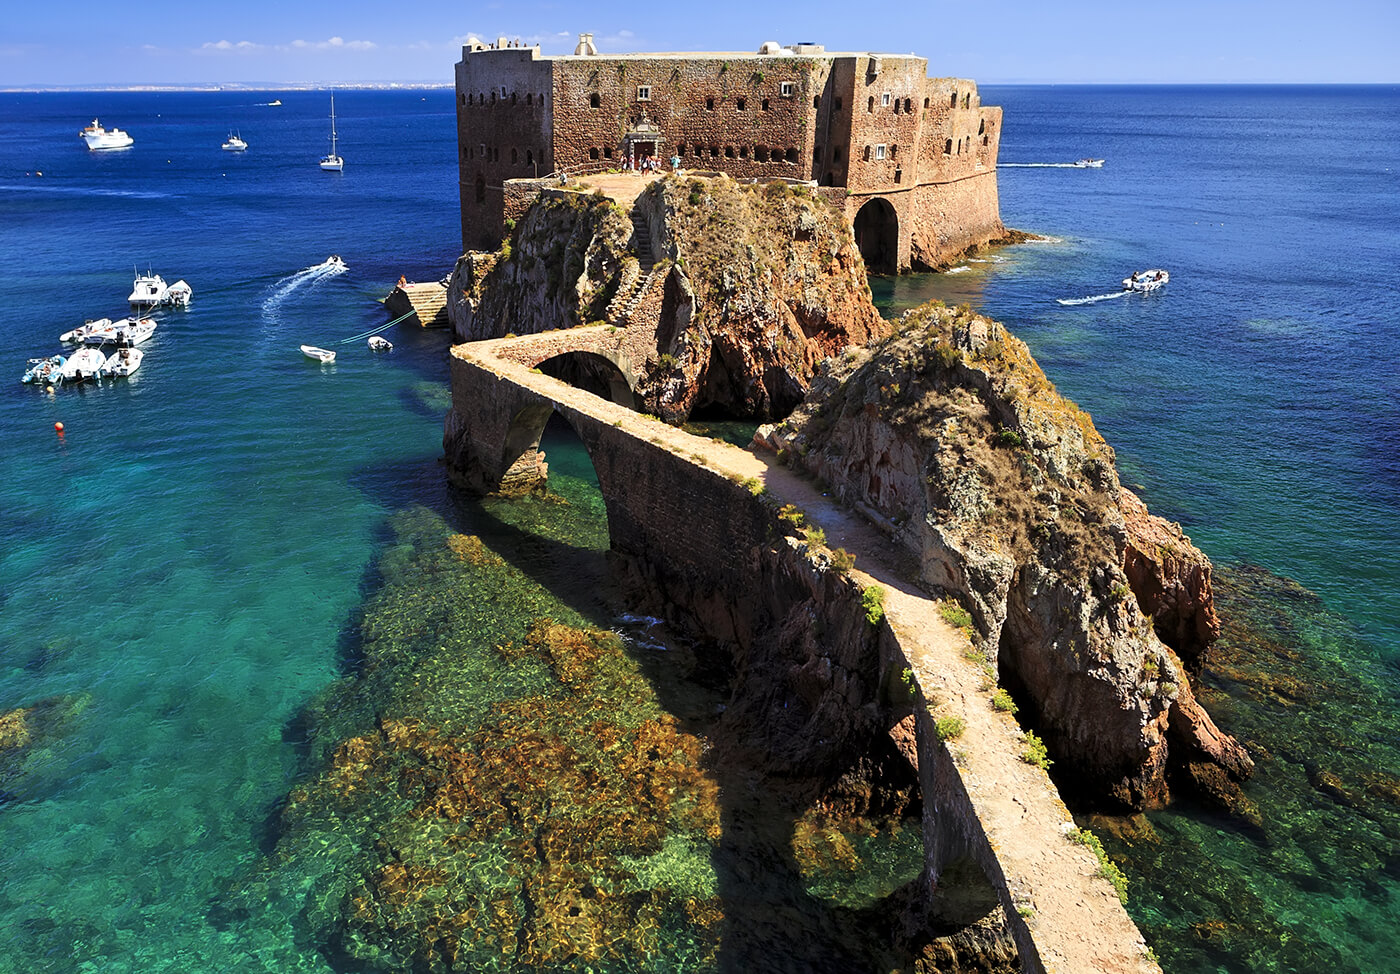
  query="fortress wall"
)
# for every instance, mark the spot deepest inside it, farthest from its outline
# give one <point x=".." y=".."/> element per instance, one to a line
<point x="696" y="103"/>
<point x="948" y="218"/>
<point x="504" y="121"/>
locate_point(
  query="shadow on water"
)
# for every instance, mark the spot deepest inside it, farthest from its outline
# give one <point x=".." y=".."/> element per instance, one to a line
<point x="769" y="886"/>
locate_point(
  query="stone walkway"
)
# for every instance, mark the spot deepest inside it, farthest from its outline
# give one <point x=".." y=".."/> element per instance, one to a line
<point x="1072" y="915"/>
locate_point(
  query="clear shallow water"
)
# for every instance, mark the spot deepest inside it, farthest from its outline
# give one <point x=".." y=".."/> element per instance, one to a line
<point x="185" y="571"/>
<point x="1256" y="399"/>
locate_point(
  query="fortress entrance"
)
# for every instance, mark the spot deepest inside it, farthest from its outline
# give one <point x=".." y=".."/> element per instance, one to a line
<point x="877" y="236"/>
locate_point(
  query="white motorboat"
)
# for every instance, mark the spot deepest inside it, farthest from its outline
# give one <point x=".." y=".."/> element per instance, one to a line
<point x="332" y="162"/>
<point x="123" y="362"/>
<point x="378" y="343"/>
<point x="130" y="332"/>
<point x="235" y="143"/>
<point x="79" y="335"/>
<point x="322" y="355"/>
<point x="1089" y="164"/>
<point x="42" y="370"/>
<point x="147" y="291"/>
<point x="98" y="137"/>
<point x="336" y="262"/>
<point x="82" y="365"/>
<point x="1149" y="280"/>
<point x="179" y="294"/>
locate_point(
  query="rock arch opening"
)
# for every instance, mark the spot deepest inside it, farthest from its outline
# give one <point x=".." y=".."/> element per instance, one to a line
<point x="877" y="236"/>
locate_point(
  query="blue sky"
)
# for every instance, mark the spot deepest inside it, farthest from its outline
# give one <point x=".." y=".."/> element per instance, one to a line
<point x="84" y="42"/>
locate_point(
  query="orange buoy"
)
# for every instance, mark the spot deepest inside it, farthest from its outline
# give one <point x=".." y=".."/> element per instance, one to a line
<point x="59" y="428"/>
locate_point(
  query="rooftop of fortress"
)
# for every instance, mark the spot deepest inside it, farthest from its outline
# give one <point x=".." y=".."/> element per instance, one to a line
<point x="768" y="49"/>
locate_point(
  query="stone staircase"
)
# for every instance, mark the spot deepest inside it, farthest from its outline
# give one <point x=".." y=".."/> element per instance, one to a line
<point x="625" y="301"/>
<point x="428" y="301"/>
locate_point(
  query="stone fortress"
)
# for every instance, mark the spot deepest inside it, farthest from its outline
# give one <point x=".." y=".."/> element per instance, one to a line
<point x="910" y="159"/>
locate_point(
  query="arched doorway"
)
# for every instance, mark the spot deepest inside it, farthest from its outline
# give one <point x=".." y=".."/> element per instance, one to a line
<point x="877" y="236"/>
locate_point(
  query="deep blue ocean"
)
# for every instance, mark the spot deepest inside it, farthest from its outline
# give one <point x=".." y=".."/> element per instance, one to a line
<point x="184" y="570"/>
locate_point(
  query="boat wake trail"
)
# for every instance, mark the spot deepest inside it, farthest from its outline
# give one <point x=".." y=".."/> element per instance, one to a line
<point x="279" y="292"/>
<point x="1094" y="299"/>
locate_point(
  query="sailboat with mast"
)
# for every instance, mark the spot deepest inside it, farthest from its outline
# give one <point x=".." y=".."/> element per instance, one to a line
<point x="333" y="162"/>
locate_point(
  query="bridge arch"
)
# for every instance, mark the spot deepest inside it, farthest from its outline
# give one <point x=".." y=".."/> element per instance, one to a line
<point x="593" y="372"/>
<point x="877" y="236"/>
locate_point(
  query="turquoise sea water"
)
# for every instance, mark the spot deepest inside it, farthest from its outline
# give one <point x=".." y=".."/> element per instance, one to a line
<point x="186" y="569"/>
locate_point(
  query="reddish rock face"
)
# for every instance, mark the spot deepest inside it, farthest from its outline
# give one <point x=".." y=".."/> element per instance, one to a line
<point x="950" y="433"/>
<point x="1171" y="579"/>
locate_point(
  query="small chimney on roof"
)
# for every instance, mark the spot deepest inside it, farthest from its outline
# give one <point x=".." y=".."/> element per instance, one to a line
<point x="585" y="45"/>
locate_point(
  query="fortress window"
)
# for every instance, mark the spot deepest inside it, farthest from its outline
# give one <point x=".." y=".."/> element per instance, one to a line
<point x="967" y="100"/>
<point x="607" y="152"/>
<point x="786" y="89"/>
<point x="791" y="155"/>
<point x="925" y="104"/>
<point x="709" y="104"/>
<point x="898" y="174"/>
<point x="644" y="93"/>
<point x="879" y="152"/>
<point x="743" y="152"/>
<point x="529" y="98"/>
<point x="816" y="156"/>
<point x="816" y="101"/>
<point x="948" y="148"/>
<point x="740" y="104"/>
<point x="594" y="100"/>
<point x="493" y="98"/>
<point x="765" y="104"/>
<point x="714" y="152"/>
<point x="954" y="102"/>
<point x="729" y="152"/>
<point x="512" y="97"/>
<point x="593" y="153"/>
<point x="984" y="140"/>
<point x="868" y="152"/>
<point x="885" y="100"/>
<point x="483" y="150"/>
<point x="870" y="105"/>
<point x="463" y="99"/>
<point x="893" y="150"/>
<point x="983" y="127"/>
<point x="760" y="153"/>
<point x="907" y="103"/>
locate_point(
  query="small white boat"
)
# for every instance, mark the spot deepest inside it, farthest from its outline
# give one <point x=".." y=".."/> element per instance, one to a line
<point x="98" y="137"/>
<point x="42" y="370"/>
<point x="79" y="335"/>
<point x="322" y="355"/>
<point x="275" y="103"/>
<point x="123" y="362"/>
<point x="1089" y="164"/>
<point x="147" y="291"/>
<point x="178" y="294"/>
<point x="332" y="162"/>
<point x="235" y="143"/>
<point x="1146" y="280"/>
<point x="335" y="262"/>
<point x="82" y="365"/>
<point x="378" y="343"/>
<point x="130" y="332"/>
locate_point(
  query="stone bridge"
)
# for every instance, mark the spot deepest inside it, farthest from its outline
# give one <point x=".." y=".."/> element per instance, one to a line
<point x="685" y="511"/>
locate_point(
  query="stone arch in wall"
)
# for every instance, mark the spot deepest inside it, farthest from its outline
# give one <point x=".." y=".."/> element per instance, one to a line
<point x="593" y="373"/>
<point x="877" y="236"/>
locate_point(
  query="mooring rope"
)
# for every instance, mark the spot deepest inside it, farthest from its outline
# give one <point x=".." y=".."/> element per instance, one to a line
<point x="375" y="331"/>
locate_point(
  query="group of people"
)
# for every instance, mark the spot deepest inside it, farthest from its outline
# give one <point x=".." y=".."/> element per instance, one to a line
<point x="650" y="164"/>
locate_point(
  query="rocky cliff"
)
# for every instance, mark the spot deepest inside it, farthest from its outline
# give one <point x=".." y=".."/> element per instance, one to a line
<point x="950" y="434"/>
<point x="744" y="289"/>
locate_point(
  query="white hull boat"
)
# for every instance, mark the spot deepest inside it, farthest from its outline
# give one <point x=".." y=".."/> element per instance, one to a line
<point x="179" y="294"/>
<point x="332" y="162"/>
<point x="1149" y="280"/>
<point x="42" y="371"/>
<point x="82" y="365"/>
<point x="79" y="335"/>
<point x="123" y="362"/>
<point x="147" y="291"/>
<point x="1089" y="164"/>
<point x="98" y="137"/>
<point x="235" y="143"/>
<point x="322" y="355"/>
<point x="378" y="343"/>
<point x="130" y="332"/>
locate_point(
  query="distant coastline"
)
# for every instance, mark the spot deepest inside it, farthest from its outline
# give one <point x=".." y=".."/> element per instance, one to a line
<point x="238" y="86"/>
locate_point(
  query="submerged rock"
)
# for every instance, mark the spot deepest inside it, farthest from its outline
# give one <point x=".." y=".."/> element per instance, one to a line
<point x="951" y="435"/>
